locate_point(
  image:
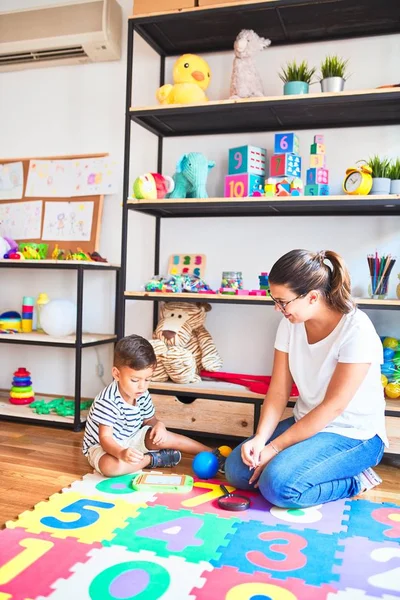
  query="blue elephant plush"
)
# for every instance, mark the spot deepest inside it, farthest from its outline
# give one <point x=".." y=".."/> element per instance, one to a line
<point x="191" y="176"/>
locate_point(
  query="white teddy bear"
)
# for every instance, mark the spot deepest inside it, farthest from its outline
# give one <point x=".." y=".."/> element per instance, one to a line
<point x="246" y="81"/>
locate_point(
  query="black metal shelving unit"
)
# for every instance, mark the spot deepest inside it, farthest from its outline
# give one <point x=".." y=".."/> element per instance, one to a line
<point x="311" y="111"/>
<point x="80" y="343"/>
<point x="284" y="22"/>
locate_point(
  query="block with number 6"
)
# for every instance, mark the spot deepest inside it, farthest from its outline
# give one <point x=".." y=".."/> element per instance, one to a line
<point x="286" y="142"/>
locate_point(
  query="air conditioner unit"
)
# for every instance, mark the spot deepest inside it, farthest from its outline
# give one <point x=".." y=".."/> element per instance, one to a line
<point x="63" y="34"/>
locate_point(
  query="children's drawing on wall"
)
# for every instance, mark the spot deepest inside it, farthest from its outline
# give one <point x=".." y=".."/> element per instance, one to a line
<point x="11" y="181"/>
<point x="21" y="220"/>
<point x="71" y="178"/>
<point x="49" y="178"/>
<point x="68" y="221"/>
<point x="94" y="176"/>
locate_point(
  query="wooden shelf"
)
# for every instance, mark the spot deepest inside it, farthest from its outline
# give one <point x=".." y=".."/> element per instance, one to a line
<point x="69" y="341"/>
<point x="187" y="297"/>
<point x="309" y="206"/>
<point x="226" y="299"/>
<point x="204" y="389"/>
<point x="56" y="264"/>
<point x="360" y="108"/>
<point x="23" y="412"/>
<point x="283" y="21"/>
<point x="219" y="389"/>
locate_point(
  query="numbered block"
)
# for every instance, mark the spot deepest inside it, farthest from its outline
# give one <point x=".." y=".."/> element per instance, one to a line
<point x="194" y="537"/>
<point x="228" y="582"/>
<point x="241" y="186"/>
<point x="30" y="564"/>
<point x="317" y="176"/>
<point x="285" y="165"/>
<point x="286" y="143"/>
<point x="116" y="573"/>
<point x="317" y="161"/>
<point x="187" y="264"/>
<point x="316" y="190"/>
<point x="72" y="515"/>
<point x="317" y="149"/>
<point x="382" y="520"/>
<point x="318" y="139"/>
<point x="298" y="557"/>
<point x="247" y="159"/>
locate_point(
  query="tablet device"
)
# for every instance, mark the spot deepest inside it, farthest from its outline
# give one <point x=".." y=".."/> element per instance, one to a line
<point x="161" y="482"/>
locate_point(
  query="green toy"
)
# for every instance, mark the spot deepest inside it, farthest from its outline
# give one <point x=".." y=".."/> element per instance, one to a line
<point x="59" y="406"/>
<point x="191" y="176"/>
<point x="161" y="482"/>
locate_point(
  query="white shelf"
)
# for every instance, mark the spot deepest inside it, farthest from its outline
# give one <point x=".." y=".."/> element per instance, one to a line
<point x="43" y="338"/>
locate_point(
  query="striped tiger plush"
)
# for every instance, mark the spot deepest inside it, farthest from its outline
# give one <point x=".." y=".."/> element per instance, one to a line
<point x="182" y="344"/>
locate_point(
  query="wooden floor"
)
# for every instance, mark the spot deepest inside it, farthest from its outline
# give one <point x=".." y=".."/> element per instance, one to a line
<point x="39" y="461"/>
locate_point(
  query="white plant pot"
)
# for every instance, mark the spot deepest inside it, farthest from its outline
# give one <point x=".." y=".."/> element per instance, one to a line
<point x="395" y="186"/>
<point x="380" y="186"/>
<point x="332" y="84"/>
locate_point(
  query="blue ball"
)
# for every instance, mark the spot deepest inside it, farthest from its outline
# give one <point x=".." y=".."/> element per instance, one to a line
<point x="388" y="354"/>
<point x="205" y="465"/>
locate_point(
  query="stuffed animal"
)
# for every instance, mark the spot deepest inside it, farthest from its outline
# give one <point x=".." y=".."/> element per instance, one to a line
<point x="152" y="186"/>
<point x="246" y="81"/>
<point x="191" y="77"/>
<point x="182" y="344"/>
<point x="191" y="176"/>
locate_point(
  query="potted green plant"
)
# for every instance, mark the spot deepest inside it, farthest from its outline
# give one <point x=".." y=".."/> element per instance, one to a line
<point x="380" y="175"/>
<point x="394" y="174"/>
<point x="333" y="74"/>
<point x="296" y="78"/>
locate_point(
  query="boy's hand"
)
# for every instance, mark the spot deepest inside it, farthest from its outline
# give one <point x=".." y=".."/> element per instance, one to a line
<point x="158" y="433"/>
<point x="131" y="455"/>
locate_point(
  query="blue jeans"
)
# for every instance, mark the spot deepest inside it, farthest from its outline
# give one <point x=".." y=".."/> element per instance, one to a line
<point x="318" y="470"/>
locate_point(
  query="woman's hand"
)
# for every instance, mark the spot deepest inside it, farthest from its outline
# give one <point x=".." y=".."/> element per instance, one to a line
<point x="251" y="451"/>
<point x="267" y="454"/>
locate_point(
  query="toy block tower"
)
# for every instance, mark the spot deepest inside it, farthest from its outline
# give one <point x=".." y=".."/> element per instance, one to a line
<point x="246" y="172"/>
<point x="285" y="167"/>
<point x="317" y="175"/>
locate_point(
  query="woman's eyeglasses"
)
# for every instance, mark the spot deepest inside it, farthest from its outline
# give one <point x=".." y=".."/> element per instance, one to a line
<point x="283" y="305"/>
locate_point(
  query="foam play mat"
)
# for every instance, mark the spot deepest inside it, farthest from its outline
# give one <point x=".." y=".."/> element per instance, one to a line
<point x="100" y="540"/>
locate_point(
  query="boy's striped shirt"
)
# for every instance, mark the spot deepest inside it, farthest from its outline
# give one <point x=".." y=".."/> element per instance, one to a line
<point x="109" y="408"/>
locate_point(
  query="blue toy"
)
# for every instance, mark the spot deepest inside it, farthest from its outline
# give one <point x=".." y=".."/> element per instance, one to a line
<point x="205" y="465"/>
<point x="191" y="176"/>
<point x="247" y="159"/>
<point x="286" y="142"/>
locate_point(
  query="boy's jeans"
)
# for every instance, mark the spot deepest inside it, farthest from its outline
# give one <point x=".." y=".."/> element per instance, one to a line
<point x="320" y="469"/>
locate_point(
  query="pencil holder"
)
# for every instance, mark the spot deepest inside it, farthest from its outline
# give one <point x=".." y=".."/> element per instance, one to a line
<point x="378" y="288"/>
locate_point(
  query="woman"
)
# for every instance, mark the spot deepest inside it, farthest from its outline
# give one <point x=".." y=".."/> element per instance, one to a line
<point x="332" y="352"/>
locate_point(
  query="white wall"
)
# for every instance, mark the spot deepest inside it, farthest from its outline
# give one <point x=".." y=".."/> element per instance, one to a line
<point x="81" y="110"/>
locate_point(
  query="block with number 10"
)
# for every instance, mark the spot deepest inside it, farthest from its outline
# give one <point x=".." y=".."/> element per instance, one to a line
<point x="243" y="185"/>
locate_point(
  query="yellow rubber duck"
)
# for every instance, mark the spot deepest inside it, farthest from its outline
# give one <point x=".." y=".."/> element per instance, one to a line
<point x="191" y="76"/>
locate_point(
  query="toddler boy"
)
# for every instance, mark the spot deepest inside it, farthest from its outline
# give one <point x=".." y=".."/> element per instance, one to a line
<point x="123" y="434"/>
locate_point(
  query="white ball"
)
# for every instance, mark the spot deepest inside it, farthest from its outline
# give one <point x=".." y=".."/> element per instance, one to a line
<point x="4" y="247"/>
<point x="58" y="317"/>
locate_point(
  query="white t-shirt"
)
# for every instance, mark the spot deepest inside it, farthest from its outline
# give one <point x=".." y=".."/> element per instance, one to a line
<point x="354" y="340"/>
